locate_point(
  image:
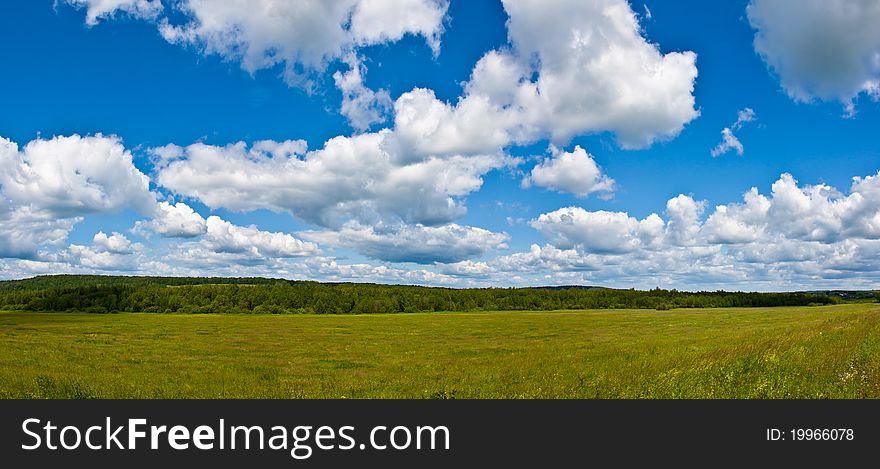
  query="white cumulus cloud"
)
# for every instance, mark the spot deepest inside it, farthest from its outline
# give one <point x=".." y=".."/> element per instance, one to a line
<point x="797" y="235"/>
<point x="576" y="67"/>
<point x="575" y="172"/>
<point x="74" y="175"/>
<point x="48" y="186"/>
<point x="825" y="49"/>
<point x="111" y="253"/>
<point x="728" y="142"/>
<point x="728" y="139"/>
<point x="226" y="237"/>
<point x="173" y="221"/>
<point x="596" y="232"/>
<point x="362" y="106"/>
<point x="597" y="73"/>
<point x="359" y="177"/>
<point x="23" y="230"/>
<point x="301" y="35"/>
<point x="379" y="21"/>
<point x="414" y="243"/>
<point x="115" y="243"/>
<point x="102" y="9"/>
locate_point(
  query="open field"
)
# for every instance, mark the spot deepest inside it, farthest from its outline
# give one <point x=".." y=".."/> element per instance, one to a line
<point x="788" y="352"/>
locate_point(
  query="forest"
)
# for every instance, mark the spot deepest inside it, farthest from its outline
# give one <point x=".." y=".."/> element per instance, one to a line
<point x="194" y="295"/>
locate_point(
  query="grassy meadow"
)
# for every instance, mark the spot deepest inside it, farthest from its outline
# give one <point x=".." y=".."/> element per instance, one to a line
<point x="786" y="352"/>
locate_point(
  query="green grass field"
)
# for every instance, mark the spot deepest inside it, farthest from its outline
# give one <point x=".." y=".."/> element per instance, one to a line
<point x="790" y="352"/>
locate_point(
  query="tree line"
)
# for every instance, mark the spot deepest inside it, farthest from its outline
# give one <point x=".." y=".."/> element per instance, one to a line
<point x="109" y="294"/>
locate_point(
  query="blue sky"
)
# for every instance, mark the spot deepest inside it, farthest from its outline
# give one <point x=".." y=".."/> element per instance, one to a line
<point x="470" y="143"/>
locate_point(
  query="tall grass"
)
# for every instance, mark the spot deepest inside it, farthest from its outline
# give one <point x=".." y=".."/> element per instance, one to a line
<point x="790" y="352"/>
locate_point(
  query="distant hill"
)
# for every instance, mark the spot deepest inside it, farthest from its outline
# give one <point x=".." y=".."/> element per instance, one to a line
<point x="108" y="294"/>
<point x="66" y="280"/>
<point x="851" y="295"/>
